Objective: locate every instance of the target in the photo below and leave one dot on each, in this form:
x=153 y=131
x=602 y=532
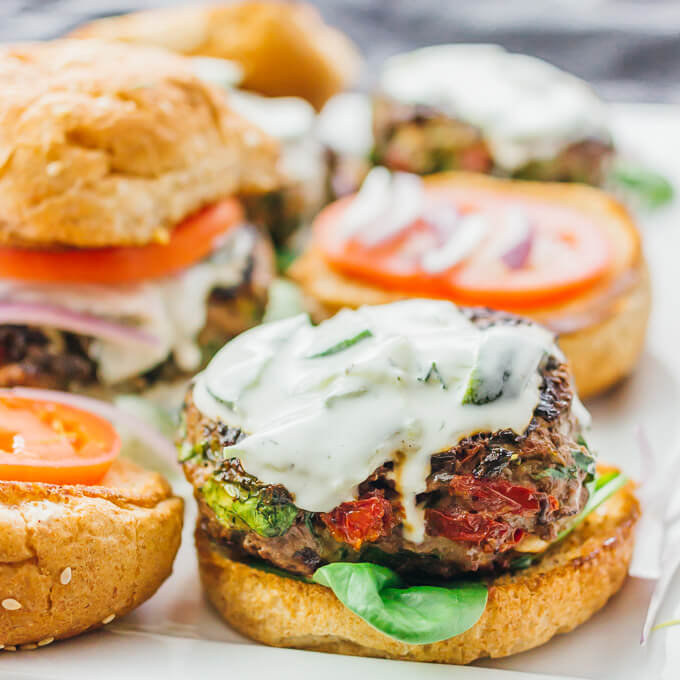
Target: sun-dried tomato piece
x=495 y=496
x=362 y=521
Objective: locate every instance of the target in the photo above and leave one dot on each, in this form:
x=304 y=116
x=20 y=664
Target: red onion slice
x=34 y=314
x=117 y=417
x=516 y=249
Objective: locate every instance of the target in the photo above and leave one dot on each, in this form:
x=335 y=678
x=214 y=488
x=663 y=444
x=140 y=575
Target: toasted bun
x=525 y=609
x=285 y=49
x=601 y=332
x=73 y=556
x=108 y=144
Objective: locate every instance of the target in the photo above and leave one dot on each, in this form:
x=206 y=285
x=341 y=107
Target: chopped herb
x=188 y=451
x=557 y=472
x=284 y=258
x=342 y=345
x=433 y=372
x=585 y=463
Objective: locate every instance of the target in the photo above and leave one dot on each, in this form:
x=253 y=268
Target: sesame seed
x=65 y=576
x=46 y=641
x=53 y=168
x=29 y=647
x=108 y=619
x=10 y=604
x=2 y=646
x=10 y=648
x=18 y=443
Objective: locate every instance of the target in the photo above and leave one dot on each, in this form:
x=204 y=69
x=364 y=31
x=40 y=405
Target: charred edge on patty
x=53 y=359
x=482 y=496
x=420 y=139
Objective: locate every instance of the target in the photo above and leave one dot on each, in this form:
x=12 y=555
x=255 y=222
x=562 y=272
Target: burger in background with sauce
x=564 y=255
x=125 y=259
x=407 y=481
x=85 y=535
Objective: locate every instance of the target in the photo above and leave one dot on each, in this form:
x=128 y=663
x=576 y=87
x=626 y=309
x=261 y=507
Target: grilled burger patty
x=419 y=139
x=55 y=359
x=483 y=497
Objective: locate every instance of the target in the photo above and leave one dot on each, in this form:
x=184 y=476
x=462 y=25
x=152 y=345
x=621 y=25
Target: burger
x=482 y=109
x=87 y=536
x=125 y=258
x=566 y=255
x=408 y=480
x=282 y=49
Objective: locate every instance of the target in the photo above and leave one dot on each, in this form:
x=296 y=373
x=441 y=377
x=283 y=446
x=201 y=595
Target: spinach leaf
x=604 y=487
x=417 y=614
x=648 y=186
x=257 y=508
x=342 y=345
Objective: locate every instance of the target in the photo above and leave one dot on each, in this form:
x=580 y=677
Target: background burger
x=407 y=480
x=124 y=257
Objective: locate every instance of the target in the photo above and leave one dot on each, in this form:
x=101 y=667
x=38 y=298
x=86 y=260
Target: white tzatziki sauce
x=526 y=108
x=324 y=406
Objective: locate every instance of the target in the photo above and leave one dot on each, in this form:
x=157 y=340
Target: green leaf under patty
x=604 y=487
x=417 y=614
x=648 y=186
x=257 y=508
x=342 y=345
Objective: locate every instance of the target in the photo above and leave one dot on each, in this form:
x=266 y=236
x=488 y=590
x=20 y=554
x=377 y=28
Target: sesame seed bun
x=284 y=48
x=601 y=332
x=525 y=608
x=73 y=558
x=105 y=144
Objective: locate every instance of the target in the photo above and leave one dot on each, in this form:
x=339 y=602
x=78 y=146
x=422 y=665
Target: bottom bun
x=75 y=557
x=525 y=609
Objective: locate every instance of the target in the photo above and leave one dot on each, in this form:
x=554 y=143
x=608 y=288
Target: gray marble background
x=629 y=49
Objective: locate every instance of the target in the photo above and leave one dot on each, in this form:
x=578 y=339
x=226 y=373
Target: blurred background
x=629 y=49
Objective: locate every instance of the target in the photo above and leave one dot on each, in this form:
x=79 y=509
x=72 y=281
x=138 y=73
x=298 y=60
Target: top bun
x=284 y=49
x=105 y=144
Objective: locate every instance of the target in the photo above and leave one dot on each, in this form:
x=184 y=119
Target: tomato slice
x=43 y=441
x=358 y=522
x=193 y=239
x=569 y=253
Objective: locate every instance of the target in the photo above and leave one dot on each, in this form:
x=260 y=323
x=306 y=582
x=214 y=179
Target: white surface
x=175 y=635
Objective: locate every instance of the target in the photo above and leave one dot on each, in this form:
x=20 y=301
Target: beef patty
x=486 y=498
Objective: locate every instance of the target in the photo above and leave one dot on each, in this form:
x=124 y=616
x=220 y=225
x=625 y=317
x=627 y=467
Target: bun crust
x=73 y=556
x=524 y=610
x=108 y=144
x=602 y=332
x=284 y=48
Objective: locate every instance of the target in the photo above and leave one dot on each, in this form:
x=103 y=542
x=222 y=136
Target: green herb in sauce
x=342 y=345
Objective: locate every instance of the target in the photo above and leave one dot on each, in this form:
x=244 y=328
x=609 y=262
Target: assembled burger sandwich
x=482 y=109
x=124 y=255
x=86 y=536
x=283 y=49
x=565 y=255
x=407 y=480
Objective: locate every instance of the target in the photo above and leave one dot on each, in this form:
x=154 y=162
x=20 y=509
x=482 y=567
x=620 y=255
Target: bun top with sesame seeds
x=106 y=144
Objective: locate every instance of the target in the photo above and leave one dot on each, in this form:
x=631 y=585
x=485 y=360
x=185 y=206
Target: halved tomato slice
x=43 y=441
x=190 y=241
x=569 y=251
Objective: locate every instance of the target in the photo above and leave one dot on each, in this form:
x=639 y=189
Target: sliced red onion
x=516 y=248
x=35 y=314
x=466 y=237
x=117 y=417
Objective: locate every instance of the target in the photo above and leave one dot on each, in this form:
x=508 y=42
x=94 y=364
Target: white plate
x=176 y=635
